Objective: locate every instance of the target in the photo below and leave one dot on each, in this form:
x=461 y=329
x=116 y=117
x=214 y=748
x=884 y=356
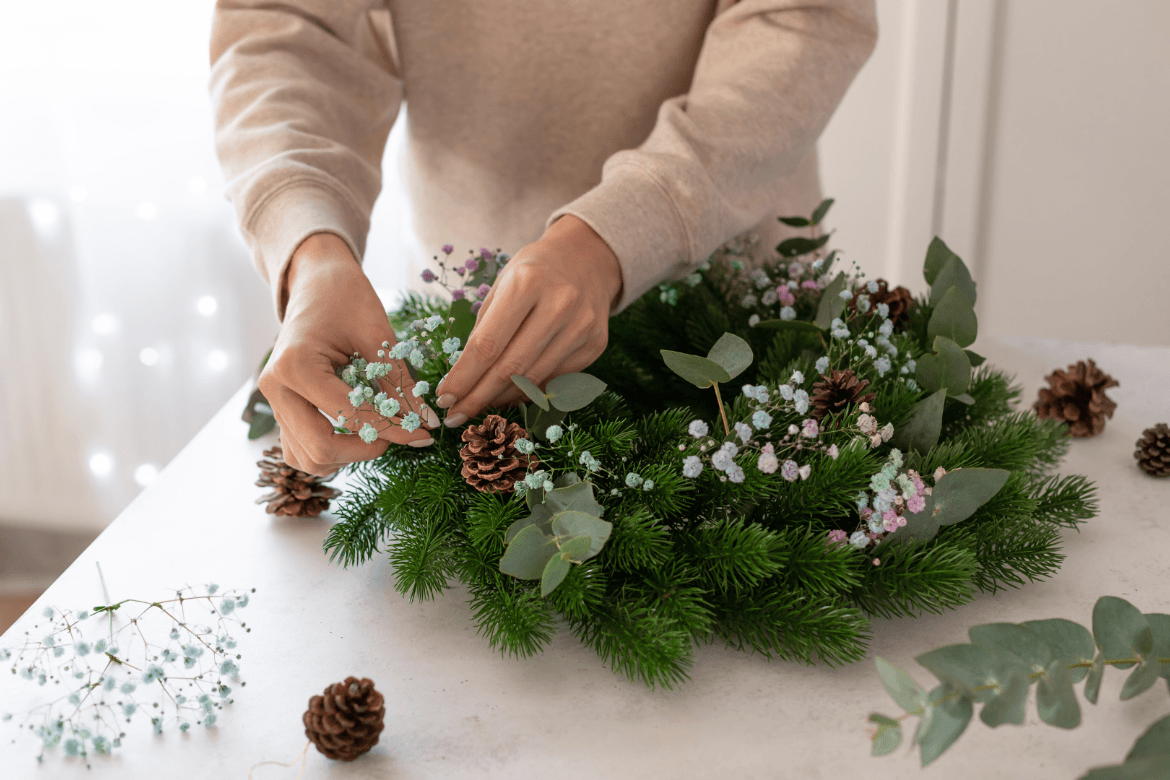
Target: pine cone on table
x=1153 y=451
x=294 y=493
x=898 y=299
x=1077 y=396
x=346 y=721
x=836 y=391
x=491 y=462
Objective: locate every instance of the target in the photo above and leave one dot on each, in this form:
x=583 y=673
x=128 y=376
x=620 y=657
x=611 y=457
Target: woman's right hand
x=332 y=312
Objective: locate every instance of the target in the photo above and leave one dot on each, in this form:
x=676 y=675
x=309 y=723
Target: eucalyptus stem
x=722 y=413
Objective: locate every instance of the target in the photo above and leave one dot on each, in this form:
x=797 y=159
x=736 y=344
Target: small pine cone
x=1077 y=396
x=898 y=299
x=491 y=462
x=1153 y=451
x=346 y=721
x=836 y=391
x=294 y=493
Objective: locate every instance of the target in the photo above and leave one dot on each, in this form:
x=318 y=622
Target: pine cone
x=294 y=493
x=491 y=462
x=838 y=390
x=898 y=299
x=1153 y=451
x=346 y=721
x=1077 y=396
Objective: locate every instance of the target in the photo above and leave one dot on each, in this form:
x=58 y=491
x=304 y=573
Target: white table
x=457 y=709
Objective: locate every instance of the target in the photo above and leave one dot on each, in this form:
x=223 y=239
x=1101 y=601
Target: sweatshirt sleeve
x=304 y=93
x=769 y=76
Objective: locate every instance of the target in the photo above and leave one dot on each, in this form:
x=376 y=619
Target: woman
x=609 y=144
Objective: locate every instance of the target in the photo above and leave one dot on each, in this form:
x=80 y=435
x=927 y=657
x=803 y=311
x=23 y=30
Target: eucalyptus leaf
x=464 y=320
x=955 y=498
x=1072 y=642
x=1140 y=679
x=538 y=421
x=954 y=318
x=1160 y=628
x=533 y=497
x=1015 y=643
x=1154 y=742
x=260 y=425
x=922 y=430
x=889 y=734
x=531 y=390
x=947 y=369
x=1121 y=630
x=1010 y=703
x=965 y=398
x=540 y=517
x=795 y=247
x=553 y=574
x=974 y=358
x=579 y=524
x=699 y=371
x=732 y=353
x=571 y=392
x=831 y=304
x=1152 y=768
x=573 y=497
x=953 y=274
x=1055 y=698
x=937 y=255
x=528 y=553
x=952 y=713
x=576 y=549
x=907 y=693
x=566 y=480
x=966 y=668
x=795 y=221
x=1093 y=681
x=797 y=325
x=821 y=210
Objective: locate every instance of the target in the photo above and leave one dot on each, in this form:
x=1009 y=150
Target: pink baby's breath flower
x=448 y=249
x=809 y=284
x=476 y=306
x=810 y=429
x=428 y=275
x=472 y=264
x=789 y=470
x=486 y=254
x=939 y=473
x=785 y=295
x=459 y=294
x=483 y=290
x=461 y=270
x=833 y=451
x=837 y=537
x=916 y=504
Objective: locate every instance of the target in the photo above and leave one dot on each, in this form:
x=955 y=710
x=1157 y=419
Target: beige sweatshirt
x=668 y=126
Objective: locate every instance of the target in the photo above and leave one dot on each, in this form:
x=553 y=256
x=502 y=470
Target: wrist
x=594 y=252
x=318 y=257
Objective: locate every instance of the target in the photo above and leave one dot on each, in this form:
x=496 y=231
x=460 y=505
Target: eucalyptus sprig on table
x=161 y=658
x=1003 y=660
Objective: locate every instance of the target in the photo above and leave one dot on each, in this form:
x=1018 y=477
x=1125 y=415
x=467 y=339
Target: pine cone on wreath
x=836 y=391
x=294 y=493
x=898 y=299
x=1153 y=451
x=1077 y=396
x=491 y=462
x=345 y=722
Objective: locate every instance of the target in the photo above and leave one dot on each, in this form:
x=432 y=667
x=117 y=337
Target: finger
x=533 y=339
x=294 y=455
x=494 y=332
x=399 y=385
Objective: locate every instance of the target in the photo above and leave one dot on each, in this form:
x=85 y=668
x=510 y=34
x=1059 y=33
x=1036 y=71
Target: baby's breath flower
x=428 y=275
x=822 y=364
x=833 y=452
x=863 y=303
x=698 y=429
x=769 y=297
x=805 y=471
x=554 y=433
x=451 y=345
x=375 y=370
x=388 y=407
x=883 y=310
x=768 y=462
x=838 y=330
x=411 y=422
x=416 y=357
x=735 y=473
x=787 y=313
x=368 y=433
x=743 y=431
x=648 y=484
x=872 y=286
x=523 y=446
x=421 y=388
x=753 y=320
x=800 y=401
x=692 y=466
x=633 y=480
x=785 y=392
x=349 y=376
x=797 y=378
x=434 y=322
x=789 y=470
x=858 y=540
x=845 y=295
x=748 y=301
x=356 y=398
x=228 y=667
x=761 y=420
x=887 y=431
x=153 y=672
x=809 y=429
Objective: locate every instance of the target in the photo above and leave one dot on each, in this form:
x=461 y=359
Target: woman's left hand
x=546 y=315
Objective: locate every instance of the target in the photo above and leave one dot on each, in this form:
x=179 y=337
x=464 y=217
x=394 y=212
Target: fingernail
x=431 y=418
x=445 y=401
x=455 y=419
x=421 y=443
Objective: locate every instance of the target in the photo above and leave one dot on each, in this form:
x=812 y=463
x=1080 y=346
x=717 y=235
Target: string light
x=207 y=305
x=197 y=185
x=217 y=360
x=101 y=464
x=44 y=214
x=104 y=324
x=88 y=362
x=78 y=193
x=145 y=474
x=146 y=211
x=148 y=356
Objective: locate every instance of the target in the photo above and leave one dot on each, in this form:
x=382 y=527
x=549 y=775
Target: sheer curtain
x=129 y=309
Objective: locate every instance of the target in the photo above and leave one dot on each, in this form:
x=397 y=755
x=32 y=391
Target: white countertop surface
x=457 y=709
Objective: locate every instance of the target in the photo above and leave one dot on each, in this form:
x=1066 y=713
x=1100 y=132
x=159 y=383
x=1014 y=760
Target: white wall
x=1053 y=117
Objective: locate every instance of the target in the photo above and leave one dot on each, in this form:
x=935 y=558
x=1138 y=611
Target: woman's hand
x=332 y=312
x=546 y=315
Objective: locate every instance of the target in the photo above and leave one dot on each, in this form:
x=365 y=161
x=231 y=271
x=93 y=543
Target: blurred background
x=1029 y=134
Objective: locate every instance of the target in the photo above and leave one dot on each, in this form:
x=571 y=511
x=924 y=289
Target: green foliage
x=703 y=559
x=1004 y=659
